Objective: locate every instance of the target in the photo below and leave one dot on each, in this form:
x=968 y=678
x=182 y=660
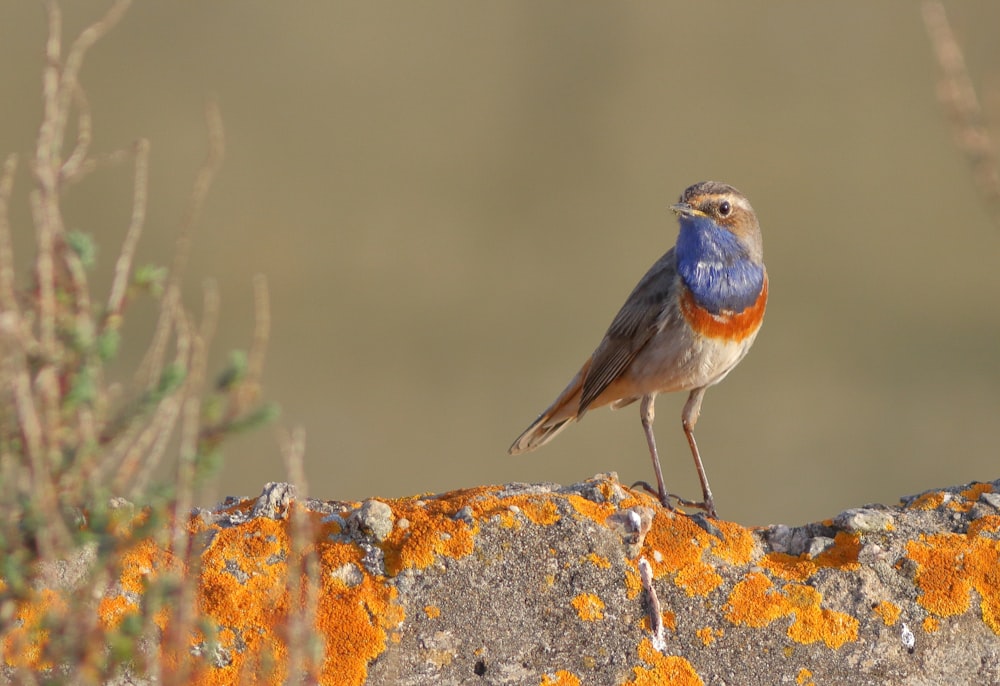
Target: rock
x=558 y=585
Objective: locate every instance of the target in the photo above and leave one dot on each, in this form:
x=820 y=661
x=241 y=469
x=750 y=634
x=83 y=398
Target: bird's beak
x=685 y=210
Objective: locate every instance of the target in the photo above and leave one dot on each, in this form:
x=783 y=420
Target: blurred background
x=451 y=200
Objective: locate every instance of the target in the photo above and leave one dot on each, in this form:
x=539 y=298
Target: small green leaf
x=264 y=414
x=107 y=344
x=83 y=389
x=150 y=278
x=171 y=379
x=83 y=245
x=235 y=372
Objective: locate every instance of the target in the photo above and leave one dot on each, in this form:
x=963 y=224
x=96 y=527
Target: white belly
x=685 y=361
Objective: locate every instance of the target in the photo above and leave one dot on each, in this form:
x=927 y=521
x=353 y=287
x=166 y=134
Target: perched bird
x=687 y=323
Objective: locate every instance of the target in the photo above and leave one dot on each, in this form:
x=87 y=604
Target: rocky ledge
x=592 y=583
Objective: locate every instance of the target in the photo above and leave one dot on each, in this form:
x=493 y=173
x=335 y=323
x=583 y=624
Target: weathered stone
x=544 y=585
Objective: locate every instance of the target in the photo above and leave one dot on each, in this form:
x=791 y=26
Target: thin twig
x=45 y=200
x=183 y=618
x=303 y=572
x=191 y=413
x=655 y=613
x=16 y=373
x=206 y=174
x=8 y=300
x=94 y=163
x=45 y=378
x=152 y=363
x=262 y=329
x=123 y=267
x=199 y=193
x=148 y=450
x=84 y=136
x=958 y=95
x=249 y=389
x=69 y=76
x=136 y=451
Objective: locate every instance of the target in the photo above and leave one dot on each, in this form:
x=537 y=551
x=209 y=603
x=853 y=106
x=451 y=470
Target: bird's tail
x=538 y=434
x=557 y=417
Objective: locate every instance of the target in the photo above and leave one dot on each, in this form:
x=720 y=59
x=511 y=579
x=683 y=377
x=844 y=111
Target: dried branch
x=152 y=362
x=84 y=137
x=958 y=96
x=199 y=193
x=186 y=555
x=261 y=331
x=304 y=649
x=123 y=267
x=67 y=79
x=8 y=301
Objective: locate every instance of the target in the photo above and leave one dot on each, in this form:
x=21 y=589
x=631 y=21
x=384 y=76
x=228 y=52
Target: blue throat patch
x=715 y=266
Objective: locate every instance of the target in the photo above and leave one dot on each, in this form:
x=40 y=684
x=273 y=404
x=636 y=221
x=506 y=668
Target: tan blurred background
x=451 y=200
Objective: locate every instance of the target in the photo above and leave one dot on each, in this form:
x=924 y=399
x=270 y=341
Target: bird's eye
x=725 y=208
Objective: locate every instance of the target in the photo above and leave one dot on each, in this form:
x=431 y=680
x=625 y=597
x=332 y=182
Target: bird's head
x=725 y=207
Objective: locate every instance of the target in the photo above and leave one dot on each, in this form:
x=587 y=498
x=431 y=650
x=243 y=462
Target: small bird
x=687 y=323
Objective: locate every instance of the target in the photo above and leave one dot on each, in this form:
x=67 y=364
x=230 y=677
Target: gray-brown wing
x=631 y=329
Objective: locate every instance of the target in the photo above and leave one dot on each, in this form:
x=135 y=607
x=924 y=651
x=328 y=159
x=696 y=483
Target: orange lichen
x=560 y=678
x=664 y=670
x=112 y=610
x=598 y=561
x=843 y=554
x=354 y=624
x=24 y=644
x=755 y=602
x=927 y=501
x=599 y=512
x=697 y=580
x=140 y=562
x=814 y=623
x=633 y=584
x=950 y=566
x=433 y=528
x=668 y=618
x=736 y=546
x=244 y=584
x=676 y=545
x=789 y=567
x=804 y=678
x=244 y=590
x=432 y=611
x=975 y=490
x=541 y=511
x=706 y=635
x=969 y=497
x=889 y=612
x=931 y=624
x=509 y=519
x=589 y=607
x=984 y=525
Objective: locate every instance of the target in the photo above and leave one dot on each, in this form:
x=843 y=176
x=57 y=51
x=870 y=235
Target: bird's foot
x=665 y=498
x=707 y=505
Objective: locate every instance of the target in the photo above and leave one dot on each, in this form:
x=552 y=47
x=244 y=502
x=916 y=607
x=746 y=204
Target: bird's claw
x=665 y=498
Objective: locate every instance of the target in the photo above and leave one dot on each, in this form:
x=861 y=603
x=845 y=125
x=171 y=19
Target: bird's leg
x=647 y=413
x=689 y=417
